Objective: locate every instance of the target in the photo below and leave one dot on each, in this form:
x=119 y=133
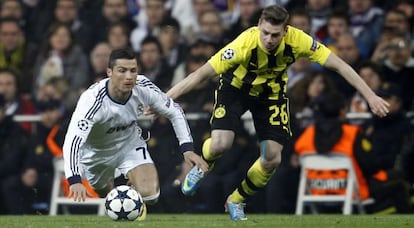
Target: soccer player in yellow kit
x=253 y=77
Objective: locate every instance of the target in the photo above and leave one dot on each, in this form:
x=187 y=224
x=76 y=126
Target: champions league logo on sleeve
x=83 y=125
x=228 y=54
x=314 y=45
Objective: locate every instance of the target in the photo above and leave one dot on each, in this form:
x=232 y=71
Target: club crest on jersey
x=227 y=54
x=220 y=112
x=83 y=125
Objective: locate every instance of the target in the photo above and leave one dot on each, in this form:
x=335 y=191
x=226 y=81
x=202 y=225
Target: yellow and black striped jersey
x=246 y=65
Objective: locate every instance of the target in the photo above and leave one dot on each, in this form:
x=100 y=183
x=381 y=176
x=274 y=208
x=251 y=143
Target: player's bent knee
x=218 y=149
x=270 y=166
x=152 y=199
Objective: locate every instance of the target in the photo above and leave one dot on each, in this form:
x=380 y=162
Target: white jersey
x=100 y=127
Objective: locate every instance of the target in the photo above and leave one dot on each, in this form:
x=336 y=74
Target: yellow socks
x=207 y=155
x=256 y=179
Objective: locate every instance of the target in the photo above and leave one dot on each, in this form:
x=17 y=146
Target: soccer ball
x=123 y=203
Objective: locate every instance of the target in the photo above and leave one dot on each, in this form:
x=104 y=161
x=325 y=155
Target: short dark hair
x=371 y=65
x=275 y=15
x=124 y=53
x=9 y=71
x=340 y=14
x=170 y=22
x=152 y=40
x=301 y=12
x=10 y=20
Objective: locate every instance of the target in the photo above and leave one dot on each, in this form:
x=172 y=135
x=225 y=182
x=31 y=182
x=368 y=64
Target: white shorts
x=99 y=171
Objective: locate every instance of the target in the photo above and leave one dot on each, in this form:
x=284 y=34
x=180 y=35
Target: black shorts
x=271 y=117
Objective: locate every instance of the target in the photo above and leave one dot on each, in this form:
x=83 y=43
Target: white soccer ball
x=123 y=203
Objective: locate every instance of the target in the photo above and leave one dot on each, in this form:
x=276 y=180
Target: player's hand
x=194 y=159
x=150 y=113
x=78 y=192
x=378 y=106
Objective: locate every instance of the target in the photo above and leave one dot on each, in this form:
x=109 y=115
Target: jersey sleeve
x=80 y=125
x=309 y=47
x=229 y=56
x=165 y=106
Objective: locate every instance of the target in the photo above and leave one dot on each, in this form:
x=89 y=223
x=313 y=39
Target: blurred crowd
x=52 y=50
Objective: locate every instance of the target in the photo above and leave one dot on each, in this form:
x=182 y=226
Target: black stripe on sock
x=251 y=185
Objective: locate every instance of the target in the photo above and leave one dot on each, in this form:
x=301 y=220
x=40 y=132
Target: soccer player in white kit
x=104 y=135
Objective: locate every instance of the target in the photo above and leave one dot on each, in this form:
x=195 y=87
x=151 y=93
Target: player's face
x=271 y=35
x=123 y=75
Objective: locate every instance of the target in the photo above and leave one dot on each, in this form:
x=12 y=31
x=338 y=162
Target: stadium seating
x=329 y=162
x=59 y=198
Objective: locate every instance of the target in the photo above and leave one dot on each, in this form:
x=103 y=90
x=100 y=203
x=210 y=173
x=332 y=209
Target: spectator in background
x=297 y=71
x=387 y=135
x=17 y=53
x=155 y=12
x=173 y=48
x=118 y=35
x=386 y=138
x=201 y=99
x=398 y=67
x=396 y=21
x=153 y=65
x=13 y=147
x=56 y=89
x=303 y=96
x=337 y=25
x=99 y=59
x=111 y=11
x=62 y=57
x=39 y=15
x=366 y=22
x=31 y=188
x=347 y=50
x=407 y=6
x=299 y=18
x=202 y=45
x=318 y=10
x=211 y=24
x=13 y=102
x=248 y=9
x=13 y=9
x=187 y=12
x=67 y=11
x=372 y=75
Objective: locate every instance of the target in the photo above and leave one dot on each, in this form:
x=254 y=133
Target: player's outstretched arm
x=201 y=74
x=378 y=105
x=194 y=159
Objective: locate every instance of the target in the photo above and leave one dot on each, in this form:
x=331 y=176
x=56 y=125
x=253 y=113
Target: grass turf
x=210 y=220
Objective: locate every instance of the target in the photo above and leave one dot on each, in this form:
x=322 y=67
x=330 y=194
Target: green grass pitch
x=210 y=220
